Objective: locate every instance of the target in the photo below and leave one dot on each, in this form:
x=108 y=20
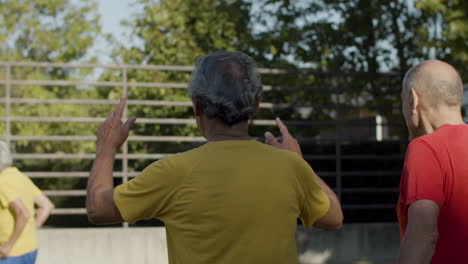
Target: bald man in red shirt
x=432 y=207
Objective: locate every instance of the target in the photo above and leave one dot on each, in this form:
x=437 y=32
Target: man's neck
x=444 y=116
x=216 y=130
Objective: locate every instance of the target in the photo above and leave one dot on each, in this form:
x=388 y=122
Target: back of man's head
x=226 y=85
x=436 y=82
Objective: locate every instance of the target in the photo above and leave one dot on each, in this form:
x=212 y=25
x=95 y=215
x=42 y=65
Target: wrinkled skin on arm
x=21 y=214
x=100 y=203
x=420 y=239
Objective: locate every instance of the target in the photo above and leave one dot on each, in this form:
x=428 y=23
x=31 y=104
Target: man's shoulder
x=434 y=140
x=425 y=148
x=188 y=155
x=425 y=140
x=180 y=159
x=286 y=159
x=445 y=134
x=275 y=152
x=424 y=144
x=184 y=160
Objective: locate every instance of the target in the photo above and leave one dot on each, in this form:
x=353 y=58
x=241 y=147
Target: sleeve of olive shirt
x=315 y=202
x=150 y=194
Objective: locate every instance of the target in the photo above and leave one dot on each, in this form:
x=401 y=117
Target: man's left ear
x=414 y=100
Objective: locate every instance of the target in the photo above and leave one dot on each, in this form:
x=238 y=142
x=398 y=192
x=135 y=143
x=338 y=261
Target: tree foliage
x=45 y=30
x=331 y=46
x=176 y=32
x=446 y=31
x=49 y=31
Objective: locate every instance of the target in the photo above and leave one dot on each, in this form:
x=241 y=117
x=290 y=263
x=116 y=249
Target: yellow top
x=14 y=185
x=227 y=202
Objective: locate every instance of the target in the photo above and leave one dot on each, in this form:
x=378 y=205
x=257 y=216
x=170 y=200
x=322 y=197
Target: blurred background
x=331 y=69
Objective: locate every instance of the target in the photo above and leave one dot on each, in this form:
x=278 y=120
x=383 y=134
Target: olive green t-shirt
x=227 y=202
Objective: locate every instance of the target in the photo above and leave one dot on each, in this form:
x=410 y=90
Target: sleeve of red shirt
x=423 y=176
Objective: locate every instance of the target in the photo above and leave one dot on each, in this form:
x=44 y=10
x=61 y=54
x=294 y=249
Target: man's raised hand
x=112 y=133
x=286 y=141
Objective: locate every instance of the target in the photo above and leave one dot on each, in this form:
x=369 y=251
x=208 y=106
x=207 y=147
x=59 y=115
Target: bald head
x=436 y=82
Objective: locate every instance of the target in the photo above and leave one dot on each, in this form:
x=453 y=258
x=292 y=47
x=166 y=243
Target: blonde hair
x=5 y=155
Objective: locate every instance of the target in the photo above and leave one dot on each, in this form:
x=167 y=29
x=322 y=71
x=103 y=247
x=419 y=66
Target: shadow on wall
x=353 y=244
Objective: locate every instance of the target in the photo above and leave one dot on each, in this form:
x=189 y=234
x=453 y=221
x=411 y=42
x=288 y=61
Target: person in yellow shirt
x=232 y=200
x=18 y=196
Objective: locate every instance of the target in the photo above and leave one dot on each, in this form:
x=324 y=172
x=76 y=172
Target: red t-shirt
x=436 y=168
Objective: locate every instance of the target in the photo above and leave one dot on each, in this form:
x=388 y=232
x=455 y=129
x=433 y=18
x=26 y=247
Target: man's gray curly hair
x=226 y=86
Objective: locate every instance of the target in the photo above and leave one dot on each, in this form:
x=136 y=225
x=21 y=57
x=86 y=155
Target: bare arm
x=44 y=208
x=21 y=219
x=100 y=203
x=419 y=241
x=333 y=219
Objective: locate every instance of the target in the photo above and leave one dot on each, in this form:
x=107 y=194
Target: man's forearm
x=100 y=181
x=416 y=251
x=111 y=134
x=420 y=239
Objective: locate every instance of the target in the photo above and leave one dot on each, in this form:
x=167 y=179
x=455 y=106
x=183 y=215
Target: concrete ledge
x=102 y=245
x=354 y=243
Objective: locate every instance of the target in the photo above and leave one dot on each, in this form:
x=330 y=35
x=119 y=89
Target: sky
x=112 y=12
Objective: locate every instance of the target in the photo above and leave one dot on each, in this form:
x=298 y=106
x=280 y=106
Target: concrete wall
x=102 y=245
x=355 y=243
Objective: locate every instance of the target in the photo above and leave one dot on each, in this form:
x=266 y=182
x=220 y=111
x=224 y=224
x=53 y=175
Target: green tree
x=174 y=32
x=355 y=41
x=49 y=31
x=44 y=30
x=446 y=32
x=177 y=32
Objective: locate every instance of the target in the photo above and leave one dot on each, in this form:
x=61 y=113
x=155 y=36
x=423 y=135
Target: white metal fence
x=337 y=173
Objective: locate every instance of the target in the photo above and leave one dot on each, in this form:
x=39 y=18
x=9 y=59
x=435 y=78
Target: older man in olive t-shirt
x=232 y=200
